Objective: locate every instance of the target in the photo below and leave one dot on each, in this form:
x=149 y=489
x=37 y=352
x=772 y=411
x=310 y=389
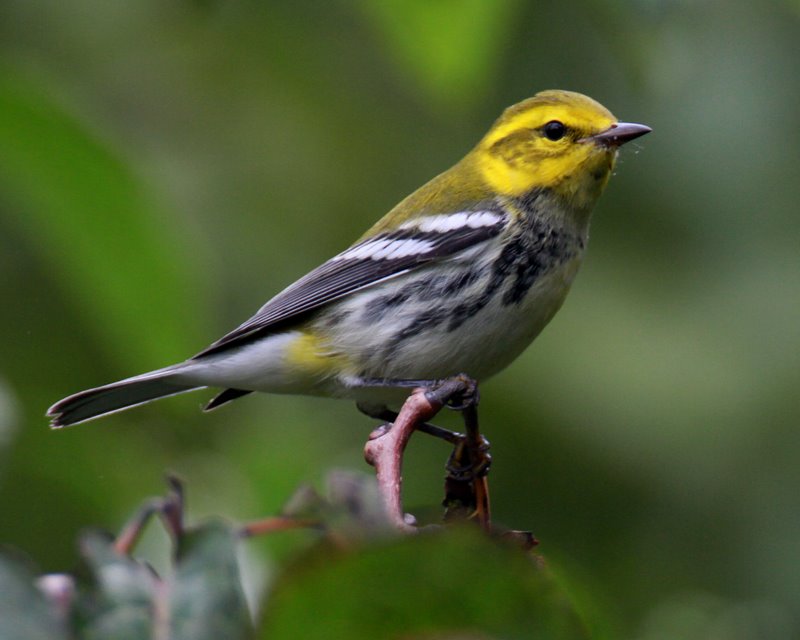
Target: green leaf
x=454 y=582
x=351 y=510
x=115 y=254
x=207 y=600
x=24 y=612
x=117 y=597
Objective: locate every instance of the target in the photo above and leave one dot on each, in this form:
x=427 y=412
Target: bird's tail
x=116 y=396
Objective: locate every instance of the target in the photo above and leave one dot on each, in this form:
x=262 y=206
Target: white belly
x=480 y=346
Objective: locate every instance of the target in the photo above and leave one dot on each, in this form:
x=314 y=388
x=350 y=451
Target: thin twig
x=127 y=538
x=277 y=523
x=480 y=462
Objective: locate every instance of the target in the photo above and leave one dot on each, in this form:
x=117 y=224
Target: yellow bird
x=459 y=277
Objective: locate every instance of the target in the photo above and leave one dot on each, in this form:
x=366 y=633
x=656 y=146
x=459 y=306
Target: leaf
x=25 y=614
x=207 y=600
x=117 y=596
x=456 y=583
x=351 y=509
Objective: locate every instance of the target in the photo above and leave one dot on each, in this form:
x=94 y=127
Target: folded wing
x=367 y=263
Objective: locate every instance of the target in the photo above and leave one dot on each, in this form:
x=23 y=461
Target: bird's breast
x=473 y=313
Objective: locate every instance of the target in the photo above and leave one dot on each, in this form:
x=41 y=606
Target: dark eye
x=554 y=130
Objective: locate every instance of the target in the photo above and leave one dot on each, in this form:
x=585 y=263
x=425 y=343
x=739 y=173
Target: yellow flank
x=308 y=355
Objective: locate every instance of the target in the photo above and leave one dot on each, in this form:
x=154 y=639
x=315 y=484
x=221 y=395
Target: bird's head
x=559 y=141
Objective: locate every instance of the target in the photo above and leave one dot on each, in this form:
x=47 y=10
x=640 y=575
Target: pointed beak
x=620 y=133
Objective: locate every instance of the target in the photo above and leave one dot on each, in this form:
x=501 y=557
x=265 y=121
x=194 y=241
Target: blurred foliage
x=448 y=72
x=418 y=586
x=115 y=595
x=166 y=167
x=459 y=581
x=69 y=182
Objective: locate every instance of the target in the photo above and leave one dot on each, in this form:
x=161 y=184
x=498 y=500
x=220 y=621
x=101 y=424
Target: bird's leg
x=466 y=486
x=387 y=415
x=384 y=451
x=466 y=483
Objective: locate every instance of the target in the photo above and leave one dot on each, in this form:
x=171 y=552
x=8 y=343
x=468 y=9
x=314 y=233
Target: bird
x=459 y=277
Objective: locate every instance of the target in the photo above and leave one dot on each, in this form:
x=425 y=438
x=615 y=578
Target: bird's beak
x=618 y=134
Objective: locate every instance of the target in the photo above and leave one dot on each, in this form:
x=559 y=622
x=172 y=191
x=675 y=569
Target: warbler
x=459 y=277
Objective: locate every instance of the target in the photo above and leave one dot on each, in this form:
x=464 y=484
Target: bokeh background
x=165 y=167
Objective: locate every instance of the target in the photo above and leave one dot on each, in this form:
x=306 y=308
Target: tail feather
x=117 y=396
x=224 y=397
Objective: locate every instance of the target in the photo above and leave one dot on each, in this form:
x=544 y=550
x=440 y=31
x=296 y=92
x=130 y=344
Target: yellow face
x=546 y=142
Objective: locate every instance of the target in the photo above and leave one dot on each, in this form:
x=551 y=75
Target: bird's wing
x=369 y=262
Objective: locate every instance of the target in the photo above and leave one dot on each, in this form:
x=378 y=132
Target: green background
x=165 y=167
